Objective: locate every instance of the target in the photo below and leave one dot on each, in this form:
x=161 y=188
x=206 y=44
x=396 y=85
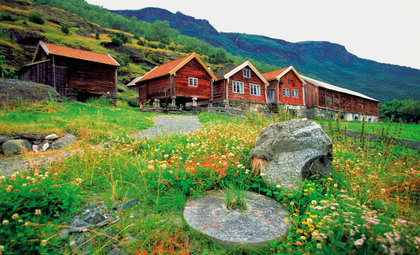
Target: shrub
x=116 y=41
x=65 y=28
x=7 y=17
x=36 y=18
x=141 y=42
x=97 y=35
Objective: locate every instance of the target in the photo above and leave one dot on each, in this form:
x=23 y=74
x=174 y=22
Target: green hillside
x=327 y=61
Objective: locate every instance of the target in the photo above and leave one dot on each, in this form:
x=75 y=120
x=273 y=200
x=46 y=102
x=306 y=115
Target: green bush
x=7 y=17
x=65 y=28
x=116 y=41
x=141 y=42
x=29 y=202
x=36 y=18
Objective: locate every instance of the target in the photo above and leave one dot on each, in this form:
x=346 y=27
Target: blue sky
x=382 y=30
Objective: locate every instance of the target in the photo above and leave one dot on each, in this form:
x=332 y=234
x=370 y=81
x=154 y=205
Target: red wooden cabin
x=72 y=72
x=323 y=95
x=241 y=83
x=178 y=82
x=286 y=87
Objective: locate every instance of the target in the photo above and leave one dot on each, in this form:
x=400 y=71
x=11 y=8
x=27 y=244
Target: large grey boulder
x=26 y=91
x=12 y=147
x=263 y=220
x=288 y=152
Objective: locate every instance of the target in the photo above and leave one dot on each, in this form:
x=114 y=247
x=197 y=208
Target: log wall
x=195 y=70
x=247 y=93
x=290 y=81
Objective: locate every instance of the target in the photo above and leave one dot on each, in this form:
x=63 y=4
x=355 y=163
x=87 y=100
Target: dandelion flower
x=313 y=202
x=278 y=186
x=286 y=219
x=15 y=216
x=38 y=212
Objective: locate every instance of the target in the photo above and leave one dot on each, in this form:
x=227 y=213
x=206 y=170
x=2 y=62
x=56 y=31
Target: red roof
x=171 y=67
x=78 y=54
x=163 y=70
x=269 y=76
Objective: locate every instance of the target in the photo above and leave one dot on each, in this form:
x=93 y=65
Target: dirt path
x=164 y=126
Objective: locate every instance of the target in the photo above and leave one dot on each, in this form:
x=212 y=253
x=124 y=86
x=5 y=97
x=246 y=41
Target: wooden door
x=271 y=96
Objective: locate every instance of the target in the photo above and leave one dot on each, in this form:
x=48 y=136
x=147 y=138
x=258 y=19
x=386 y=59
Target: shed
x=74 y=73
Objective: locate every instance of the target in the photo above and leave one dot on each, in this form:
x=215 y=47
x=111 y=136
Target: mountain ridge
x=327 y=61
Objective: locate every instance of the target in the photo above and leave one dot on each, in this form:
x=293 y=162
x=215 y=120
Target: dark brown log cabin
x=323 y=95
x=286 y=87
x=180 y=81
x=241 y=83
x=72 y=72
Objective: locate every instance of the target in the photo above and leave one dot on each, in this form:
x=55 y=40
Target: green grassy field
x=405 y=131
x=369 y=204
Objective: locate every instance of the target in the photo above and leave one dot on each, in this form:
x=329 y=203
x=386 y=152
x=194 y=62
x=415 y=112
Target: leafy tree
x=36 y=18
x=406 y=110
x=7 y=17
x=6 y=73
x=159 y=31
x=117 y=41
x=97 y=35
x=65 y=28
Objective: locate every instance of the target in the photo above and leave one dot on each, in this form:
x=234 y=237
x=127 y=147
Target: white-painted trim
x=114 y=60
x=250 y=90
x=242 y=66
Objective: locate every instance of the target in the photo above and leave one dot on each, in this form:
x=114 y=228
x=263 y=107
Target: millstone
x=263 y=220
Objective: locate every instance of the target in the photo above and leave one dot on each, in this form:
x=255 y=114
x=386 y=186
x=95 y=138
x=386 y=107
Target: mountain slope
x=322 y=60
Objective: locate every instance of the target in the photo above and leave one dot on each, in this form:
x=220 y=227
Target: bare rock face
x=288 y=152
x=263 y=220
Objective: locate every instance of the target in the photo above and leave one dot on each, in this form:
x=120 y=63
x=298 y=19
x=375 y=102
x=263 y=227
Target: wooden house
x=180 y=81
x=76 y=74
x=240 y=85
x=353 y=106
x=286 y=87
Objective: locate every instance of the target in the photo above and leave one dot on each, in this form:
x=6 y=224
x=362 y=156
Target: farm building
x=286 y=88
x=321 y=97
x=75 y=74
x=132 y=84
x=181 y=81
x=240 y=86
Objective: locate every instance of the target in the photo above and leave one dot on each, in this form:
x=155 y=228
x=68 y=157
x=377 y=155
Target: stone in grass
x=63 y=142
x=129 y=204
x=263 y=220
x=32 y=136
x=4 y=138
x=45 y=146
x=14 y=147
x=286 y=153
x=51 y=137
x=95 y=217
x=77 y=225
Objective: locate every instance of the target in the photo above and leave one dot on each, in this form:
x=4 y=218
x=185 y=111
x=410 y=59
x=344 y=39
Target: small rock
x=45 y=146
x=15 y=146
x=77 y=225
x=51 y=137
x=63 y=142
x=129 y=204
x=32 y=136
x=95 y=217
x=35 y=148
x=64 y=233
x=4 y=138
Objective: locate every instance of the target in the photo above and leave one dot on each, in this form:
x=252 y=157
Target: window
x=255 y=89
x=247 y=73
x=193 y=82
x=295 y=93
x=238 y=87
x=286 y=92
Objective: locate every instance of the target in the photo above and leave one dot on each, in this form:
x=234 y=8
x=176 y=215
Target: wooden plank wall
x=157 y=88
x=290 y=81
x=195 y=70
x=247 y=81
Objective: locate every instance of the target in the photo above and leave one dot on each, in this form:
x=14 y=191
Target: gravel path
x=164 y=125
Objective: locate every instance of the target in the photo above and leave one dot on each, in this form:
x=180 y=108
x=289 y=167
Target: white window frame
x=237 y=87
x=286 y=92
x=295 y=93
x=192 y=82
x=254 y=90
x=246 y=73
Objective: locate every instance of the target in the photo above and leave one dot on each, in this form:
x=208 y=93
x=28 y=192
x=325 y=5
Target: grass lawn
x=92 y=122
x=369 y=204
x=405 y=131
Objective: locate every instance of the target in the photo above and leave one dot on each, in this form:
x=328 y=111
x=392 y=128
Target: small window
x=295 y=93
x=255 y=90
x=247 y=73
x=193 y=82
x=286 y=92
x=237 y=87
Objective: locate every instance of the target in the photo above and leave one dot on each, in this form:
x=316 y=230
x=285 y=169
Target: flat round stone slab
x=263 y=219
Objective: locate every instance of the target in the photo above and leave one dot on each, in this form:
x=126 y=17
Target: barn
x=286 y=88
x=75 y=74
x=321 y=97
x=240 y=86
x=181 y=81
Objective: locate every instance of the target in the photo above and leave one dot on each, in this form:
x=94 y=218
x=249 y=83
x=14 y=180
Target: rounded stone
x=263 y=220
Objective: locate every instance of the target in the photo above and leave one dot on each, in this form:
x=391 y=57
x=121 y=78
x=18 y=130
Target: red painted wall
x=311 y=95
x=290 y=81
x=157 y=88
x=247 y=81
x=195 y=70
